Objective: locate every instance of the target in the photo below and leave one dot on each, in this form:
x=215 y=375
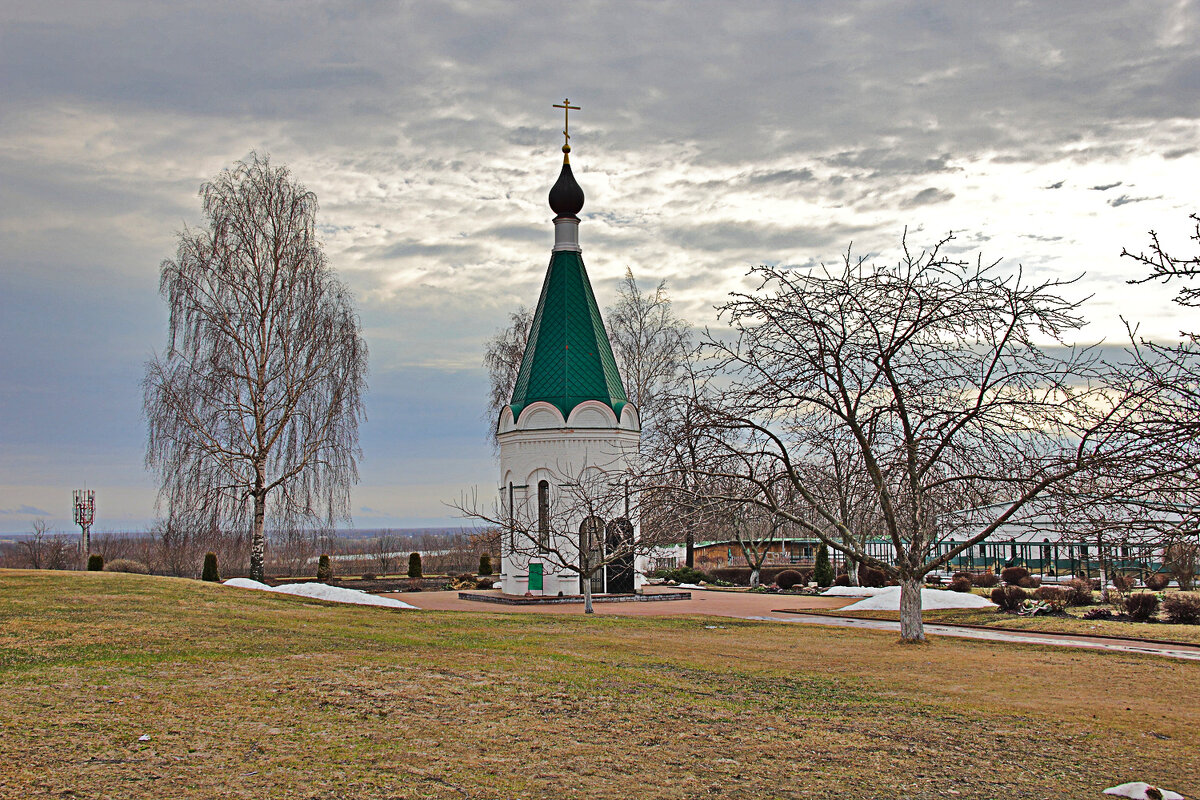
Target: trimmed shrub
x=1079 y=592
x=870 y=577
x=368 y=576
x=485 y=564
x=127 y=565
x=1009 y=598
x=842 y=579
x=1141 y=605
x=788 y=578
x=740 y=576
x=1157 y=582
x=414 y=565
x=1056 y=598
x=1182 y=608
x=960 y=584
x=484 y=583
x=1013 y=575
x=209 y=572
x=324 y=569
x=823 y=570
x=1124 y=583
x=1097 y=613
x=95 y=562
x=1029 y=582
x=985 y=580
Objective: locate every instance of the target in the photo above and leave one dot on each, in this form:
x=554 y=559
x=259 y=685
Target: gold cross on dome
x=567 y=109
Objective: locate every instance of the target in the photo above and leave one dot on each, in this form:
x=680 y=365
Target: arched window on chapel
x=543 y=515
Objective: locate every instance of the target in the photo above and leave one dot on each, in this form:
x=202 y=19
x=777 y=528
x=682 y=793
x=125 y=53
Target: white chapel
x=569 y=423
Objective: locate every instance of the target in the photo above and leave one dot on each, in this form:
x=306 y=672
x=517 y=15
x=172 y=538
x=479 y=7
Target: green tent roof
x=568 y=358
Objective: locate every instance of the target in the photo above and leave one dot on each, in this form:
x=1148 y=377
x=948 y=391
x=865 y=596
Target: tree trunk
x=911 y=627
x=258 y=541
x=587 y=594
x=852 y=571
x=754 y=577
x=690 y=545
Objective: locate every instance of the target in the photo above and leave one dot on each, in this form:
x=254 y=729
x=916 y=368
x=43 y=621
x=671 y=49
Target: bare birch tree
x=502 y=359
x=254 y=408
x=933 y=369
x=651 y=346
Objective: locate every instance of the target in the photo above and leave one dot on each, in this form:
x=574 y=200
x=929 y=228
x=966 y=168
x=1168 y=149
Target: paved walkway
x=790 y=608
x=742 y=605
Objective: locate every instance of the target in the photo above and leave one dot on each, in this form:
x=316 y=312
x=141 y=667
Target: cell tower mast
x=85 y=513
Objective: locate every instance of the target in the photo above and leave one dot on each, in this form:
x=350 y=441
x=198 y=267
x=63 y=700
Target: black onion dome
x=566 y=198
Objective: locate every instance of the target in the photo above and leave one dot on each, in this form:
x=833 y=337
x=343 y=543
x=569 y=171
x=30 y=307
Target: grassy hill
x=248 y=694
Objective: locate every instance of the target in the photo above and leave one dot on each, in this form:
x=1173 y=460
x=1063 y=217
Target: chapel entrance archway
x=620 y=571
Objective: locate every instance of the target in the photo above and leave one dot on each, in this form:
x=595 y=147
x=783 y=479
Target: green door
x=535 y=577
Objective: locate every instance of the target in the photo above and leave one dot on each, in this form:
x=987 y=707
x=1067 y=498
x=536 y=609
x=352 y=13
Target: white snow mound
x=852 y=591
x=1140 y=790
x=321 y=591
x=889 y=600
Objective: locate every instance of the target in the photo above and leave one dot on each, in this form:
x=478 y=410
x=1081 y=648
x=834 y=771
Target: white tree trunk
x=587 y=594
x=911 y=627
x=852 y=571
x=258 y=540
x=755 y=572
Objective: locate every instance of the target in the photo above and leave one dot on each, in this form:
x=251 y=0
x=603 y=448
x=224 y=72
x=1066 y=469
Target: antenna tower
x=85 y=513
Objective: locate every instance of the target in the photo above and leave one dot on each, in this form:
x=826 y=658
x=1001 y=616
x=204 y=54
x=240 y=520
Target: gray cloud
x=712 y=137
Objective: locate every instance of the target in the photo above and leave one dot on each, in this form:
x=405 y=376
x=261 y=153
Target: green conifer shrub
x=414 y=565
x=823 y=570
x=485 y=564
x=324 y=569
x=210 y=572
x=95 y=562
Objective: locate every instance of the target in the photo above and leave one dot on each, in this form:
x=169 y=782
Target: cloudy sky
x=713 y=136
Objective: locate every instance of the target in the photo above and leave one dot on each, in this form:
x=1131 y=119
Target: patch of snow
x=246 y=583
x=852 y=591
x=931 y=599
x=321 y=591
x=1140 y=790
x=690 y=586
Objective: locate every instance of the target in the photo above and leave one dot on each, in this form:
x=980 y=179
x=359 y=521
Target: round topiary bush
x=1013 y=575
x=1009 y=598
x=842 y=579
x=210 y=571
x=95 y=562
x=414 y=565
x=1157 y=582
x=127 y=565
x=870 y=577
x=960 y=584
x=985 y=580
x=787 y=579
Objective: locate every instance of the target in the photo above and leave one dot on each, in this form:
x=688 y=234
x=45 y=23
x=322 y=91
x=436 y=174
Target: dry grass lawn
x=247 y=694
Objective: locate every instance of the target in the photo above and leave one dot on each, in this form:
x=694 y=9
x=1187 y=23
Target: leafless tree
x=933 y=369
x=254 y=407
x=35 y=546
x=385 y=552
x=651 y=346
x=756 y=530
x=502 y=358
